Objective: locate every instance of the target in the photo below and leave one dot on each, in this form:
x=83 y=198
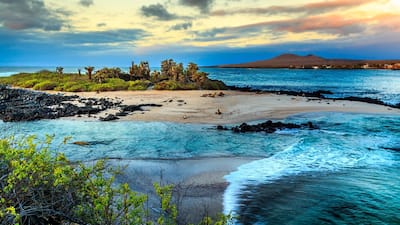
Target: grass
x=47 y=80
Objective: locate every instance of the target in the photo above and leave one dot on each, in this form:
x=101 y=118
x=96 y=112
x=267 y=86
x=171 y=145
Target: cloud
x=112 y=47
x=309 y=9
x=182 y=26
x=331 y=24
x=203 y=5
x=101 y=24
x=158 y=11
x=86 y=3
x=30 y=14
x=100 y=37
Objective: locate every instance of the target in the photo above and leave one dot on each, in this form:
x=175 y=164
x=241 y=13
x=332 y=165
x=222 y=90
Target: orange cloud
x=311 y=8
x=332 y=24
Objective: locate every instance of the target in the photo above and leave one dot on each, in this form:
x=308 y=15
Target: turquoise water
x=347 y=172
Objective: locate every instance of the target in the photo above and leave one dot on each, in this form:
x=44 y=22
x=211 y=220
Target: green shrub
x=40 y=187
x=138 y=85
x=101 y=87
x=74 y=86
x=111 y=84
x=167 y=85
x=45 y=85
x=30 y=83
x=213 y=85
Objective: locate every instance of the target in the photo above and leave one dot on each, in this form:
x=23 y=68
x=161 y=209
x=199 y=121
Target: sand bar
x=235 y=106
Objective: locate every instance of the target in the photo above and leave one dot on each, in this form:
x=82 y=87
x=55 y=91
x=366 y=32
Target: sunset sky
x=209 y=32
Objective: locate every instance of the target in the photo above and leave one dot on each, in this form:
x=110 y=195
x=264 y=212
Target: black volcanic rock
x=267 y=127
x=26 y=105
x=109 y=117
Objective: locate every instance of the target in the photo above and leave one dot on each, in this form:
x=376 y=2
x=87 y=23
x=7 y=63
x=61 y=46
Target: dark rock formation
x=109 y=117
x=267 y=127
x=26 y=105
x=133 y=108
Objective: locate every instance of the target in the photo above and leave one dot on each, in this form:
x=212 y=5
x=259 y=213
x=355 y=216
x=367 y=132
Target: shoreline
x=199 y=184
x=231 y=108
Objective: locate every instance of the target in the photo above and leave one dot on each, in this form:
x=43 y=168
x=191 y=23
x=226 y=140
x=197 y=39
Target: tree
x=155 y=75
x=59 y=70
x=181 y=74
x=167 y=67
x=101 y=75
x=89 y=70
x=132 y=70
x=192 y=70
x=144 y=70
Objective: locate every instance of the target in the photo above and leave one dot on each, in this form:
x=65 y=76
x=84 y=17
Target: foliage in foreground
x=172 y=76
x=38 y=187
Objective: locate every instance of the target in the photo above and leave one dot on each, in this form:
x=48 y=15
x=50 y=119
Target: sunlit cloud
x=191 y=28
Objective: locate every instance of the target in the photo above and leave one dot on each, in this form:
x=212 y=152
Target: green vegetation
x=40 y=187
x=172 y=76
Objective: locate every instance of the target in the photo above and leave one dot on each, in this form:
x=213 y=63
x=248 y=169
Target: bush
x=74 y=86
x=213 y=85
x=45 y=85
x=138 y=85
x=117 y=84
x=29 y=83
x=37 y=187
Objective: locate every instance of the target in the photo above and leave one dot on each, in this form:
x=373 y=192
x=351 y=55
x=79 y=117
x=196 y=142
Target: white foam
x=296 y=159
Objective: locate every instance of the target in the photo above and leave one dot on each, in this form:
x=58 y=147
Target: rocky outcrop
x=109 y=117
x=267 y=127
x=26 y=105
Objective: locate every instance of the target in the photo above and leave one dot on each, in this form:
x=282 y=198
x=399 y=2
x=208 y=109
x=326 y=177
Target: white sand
x=236 y=107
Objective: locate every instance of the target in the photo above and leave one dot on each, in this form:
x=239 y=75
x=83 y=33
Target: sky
x=208 y=32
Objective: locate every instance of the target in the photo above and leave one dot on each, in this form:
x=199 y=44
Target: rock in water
x=110 y=117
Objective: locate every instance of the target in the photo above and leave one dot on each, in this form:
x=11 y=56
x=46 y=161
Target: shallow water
x=344 y=173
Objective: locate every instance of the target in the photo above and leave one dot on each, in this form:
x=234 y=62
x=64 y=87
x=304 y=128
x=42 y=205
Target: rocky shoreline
x=320 y=94
x=26 y=105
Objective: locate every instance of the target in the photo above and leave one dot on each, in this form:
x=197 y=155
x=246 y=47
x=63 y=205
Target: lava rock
x=109 y=117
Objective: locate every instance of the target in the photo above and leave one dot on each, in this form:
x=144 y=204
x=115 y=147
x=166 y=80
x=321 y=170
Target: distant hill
x=310 y=61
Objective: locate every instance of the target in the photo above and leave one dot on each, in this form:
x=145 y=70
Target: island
x=310 y=61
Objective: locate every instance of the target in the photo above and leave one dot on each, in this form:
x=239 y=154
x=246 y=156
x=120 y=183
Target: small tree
x=59 y=70
x=89 y=70
x=144 y=70
x=132 y=70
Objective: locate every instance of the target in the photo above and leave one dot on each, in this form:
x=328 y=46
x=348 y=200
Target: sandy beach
x=235 y=106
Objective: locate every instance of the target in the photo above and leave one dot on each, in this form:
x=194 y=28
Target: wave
x=300 y=158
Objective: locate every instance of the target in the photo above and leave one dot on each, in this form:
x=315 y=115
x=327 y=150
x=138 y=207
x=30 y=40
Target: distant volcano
x=309 y=61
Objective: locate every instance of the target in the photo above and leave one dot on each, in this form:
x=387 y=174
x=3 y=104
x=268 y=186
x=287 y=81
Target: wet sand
x=199 y=184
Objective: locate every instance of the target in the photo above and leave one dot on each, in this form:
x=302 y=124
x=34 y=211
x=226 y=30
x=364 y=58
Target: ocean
x=345 y=172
